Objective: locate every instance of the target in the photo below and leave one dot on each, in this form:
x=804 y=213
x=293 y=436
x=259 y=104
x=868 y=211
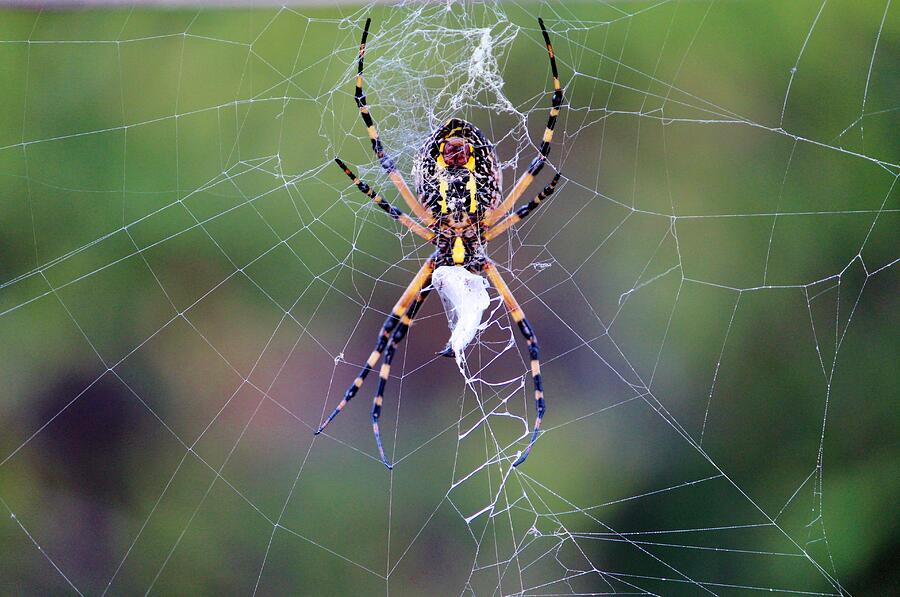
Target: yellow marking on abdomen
x=442 y=189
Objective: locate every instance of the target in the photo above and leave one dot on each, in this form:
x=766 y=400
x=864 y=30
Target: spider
x=460 y=207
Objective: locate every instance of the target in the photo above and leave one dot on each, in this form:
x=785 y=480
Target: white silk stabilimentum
x=465 y=299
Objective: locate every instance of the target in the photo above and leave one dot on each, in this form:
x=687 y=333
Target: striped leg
x=387 y=207
x=533 y=351
x=521 y=213
x=398 y=312
x=386 y=162
x=538 y=162
x=398 y=336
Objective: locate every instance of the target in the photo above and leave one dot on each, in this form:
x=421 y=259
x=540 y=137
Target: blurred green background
x=187 y=285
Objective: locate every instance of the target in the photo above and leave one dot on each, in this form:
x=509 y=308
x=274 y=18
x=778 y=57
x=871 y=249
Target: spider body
x=460 y=204
x=458 y=179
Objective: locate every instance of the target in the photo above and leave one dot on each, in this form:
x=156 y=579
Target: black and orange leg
x=543 y=150
x=521 y=213
x=386 y=161
x=534 y=352
x=385 y=372
x=399 y=311
x=387 y=207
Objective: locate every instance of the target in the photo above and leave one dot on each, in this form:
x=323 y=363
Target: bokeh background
x=187 y=285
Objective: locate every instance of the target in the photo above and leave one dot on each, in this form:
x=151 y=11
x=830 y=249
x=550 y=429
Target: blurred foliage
x=187 y=283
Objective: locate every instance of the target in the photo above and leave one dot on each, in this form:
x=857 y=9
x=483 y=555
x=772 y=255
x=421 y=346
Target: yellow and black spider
x=459 y=201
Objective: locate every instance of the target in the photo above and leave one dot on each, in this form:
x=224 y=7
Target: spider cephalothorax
x=460 y=205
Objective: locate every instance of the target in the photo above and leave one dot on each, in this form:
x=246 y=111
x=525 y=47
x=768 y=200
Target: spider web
x=187 y=286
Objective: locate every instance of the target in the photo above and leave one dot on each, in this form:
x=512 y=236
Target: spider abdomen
x=458 y=176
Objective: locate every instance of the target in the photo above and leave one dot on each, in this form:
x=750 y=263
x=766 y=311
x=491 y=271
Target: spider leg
x=521 y=213
x=533 y=351
x=538 y=162
x=387 y=207
x=399 y=310
x=398 y=336
x=386 y=161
